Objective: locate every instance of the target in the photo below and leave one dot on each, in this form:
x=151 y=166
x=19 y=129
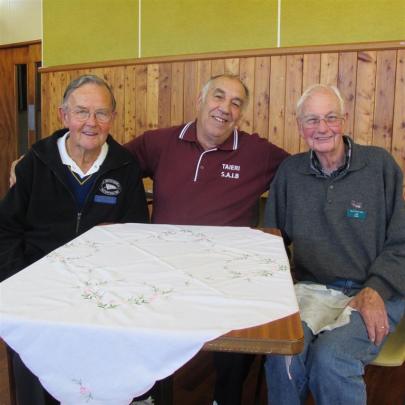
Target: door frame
x=28 y=53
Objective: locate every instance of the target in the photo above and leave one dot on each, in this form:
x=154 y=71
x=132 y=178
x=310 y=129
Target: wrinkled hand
x=372 y=308
x=13 y=179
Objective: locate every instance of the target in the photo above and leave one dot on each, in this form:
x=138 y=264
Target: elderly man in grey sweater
x=340 y=206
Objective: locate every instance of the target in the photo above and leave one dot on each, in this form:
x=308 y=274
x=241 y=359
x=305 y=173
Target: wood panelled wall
x=154 y=93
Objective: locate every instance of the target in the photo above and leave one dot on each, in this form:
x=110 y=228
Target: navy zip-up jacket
x=40 y=213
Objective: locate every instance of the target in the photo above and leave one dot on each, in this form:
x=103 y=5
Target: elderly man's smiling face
x=220 y=111
x=321 y=123
x=88 y=134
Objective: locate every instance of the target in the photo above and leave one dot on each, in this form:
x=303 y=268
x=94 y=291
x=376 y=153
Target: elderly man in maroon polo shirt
x=208 y=172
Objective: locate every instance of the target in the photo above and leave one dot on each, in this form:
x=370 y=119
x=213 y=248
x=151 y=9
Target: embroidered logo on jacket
x=230 y=171
x=356 y=204
x=356 y=211
x=110 y=187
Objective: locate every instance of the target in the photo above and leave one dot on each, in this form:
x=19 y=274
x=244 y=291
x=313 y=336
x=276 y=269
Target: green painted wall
x=192 y=26
x=316 y=22
x=79 y=31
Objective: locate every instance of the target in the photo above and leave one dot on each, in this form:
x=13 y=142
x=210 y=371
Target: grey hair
x=208 y=84
x=87 y=79
x=319 y=88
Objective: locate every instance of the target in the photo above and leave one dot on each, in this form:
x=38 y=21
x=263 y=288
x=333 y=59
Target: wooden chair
x=385 y=375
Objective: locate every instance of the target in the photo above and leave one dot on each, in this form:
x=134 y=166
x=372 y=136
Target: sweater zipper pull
x=79 y=217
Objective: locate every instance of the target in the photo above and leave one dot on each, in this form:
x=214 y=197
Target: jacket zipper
x=99 y=174
x=90 y=194
x=78 y=218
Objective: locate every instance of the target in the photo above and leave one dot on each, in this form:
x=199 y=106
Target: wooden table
x=284 y=336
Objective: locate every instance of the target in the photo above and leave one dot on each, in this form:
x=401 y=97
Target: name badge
x=359 y=214
x=105 y=199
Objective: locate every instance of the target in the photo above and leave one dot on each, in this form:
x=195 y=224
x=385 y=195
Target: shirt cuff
x=376 y=283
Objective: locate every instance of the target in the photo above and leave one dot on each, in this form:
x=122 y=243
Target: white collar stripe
x=199 y=162
x=235 y=135
x=235 y=139
x=184 y=130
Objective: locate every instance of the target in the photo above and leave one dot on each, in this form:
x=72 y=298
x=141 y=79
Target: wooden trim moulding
x=361 y=46
x=20 y=44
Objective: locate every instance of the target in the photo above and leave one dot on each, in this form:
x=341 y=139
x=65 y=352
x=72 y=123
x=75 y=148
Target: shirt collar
x=189 y=133
x=68 y=161
x=316 y=167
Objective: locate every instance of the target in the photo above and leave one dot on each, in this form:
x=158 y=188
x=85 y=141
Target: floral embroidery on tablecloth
x=233 y=265
x=84 y=391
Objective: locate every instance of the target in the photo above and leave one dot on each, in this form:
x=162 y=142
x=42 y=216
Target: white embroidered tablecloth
x=103 y=317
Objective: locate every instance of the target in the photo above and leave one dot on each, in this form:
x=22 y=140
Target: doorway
x=20 y=103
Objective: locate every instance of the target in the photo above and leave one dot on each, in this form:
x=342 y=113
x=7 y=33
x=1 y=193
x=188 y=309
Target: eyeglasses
x=331 y=120
x=82 y=114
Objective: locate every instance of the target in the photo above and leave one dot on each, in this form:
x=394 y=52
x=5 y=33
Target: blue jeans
x=331 y=364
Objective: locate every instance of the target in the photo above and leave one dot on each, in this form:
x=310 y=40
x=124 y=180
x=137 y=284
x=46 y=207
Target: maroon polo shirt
x=193 y=186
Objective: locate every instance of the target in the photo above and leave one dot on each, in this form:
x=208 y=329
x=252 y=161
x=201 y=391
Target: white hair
x=321 y=88
x=87 y=79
